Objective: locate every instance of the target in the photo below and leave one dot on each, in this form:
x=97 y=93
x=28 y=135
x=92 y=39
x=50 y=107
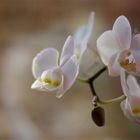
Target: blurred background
x=27 y=27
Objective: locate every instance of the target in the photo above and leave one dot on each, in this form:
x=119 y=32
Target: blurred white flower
x=131 y=105
x=82 y=37
x=118 y=49
x=51 y=76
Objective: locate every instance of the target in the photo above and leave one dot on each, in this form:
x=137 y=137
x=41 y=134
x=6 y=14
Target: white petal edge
x=114 y=66
x=44 y=60
x=107 y=46
x=135 y=48
x=87 y=34
x=90 y=26
x=68 y=50
x=84 y=32
x=123 y=82
x=79 y=35
x=136 y=42
x=125 y=106
x=133 y=86
x=122 y=31
x=37 y=85
x=70 y=72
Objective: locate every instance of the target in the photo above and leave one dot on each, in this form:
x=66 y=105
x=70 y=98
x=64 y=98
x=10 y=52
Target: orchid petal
x=134 y=88
x=80 y=34
x=89 y=26
x=127 y=110
x=46 y=59
x=83 y=34
x=131 y=106
x=68 y=50
x=37 y=85
x=114 y=66
x=123 y=82
x=125 y=106
x=122 y=31
x=107 y=46
x=136 y=42
x=70 y=71
x=135 y=105
x=136 y=51
x=87 y=67
x=136 y=55
x=80 y=42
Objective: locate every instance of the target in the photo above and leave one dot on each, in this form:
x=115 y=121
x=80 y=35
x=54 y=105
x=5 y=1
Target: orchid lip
x=127 y=61
x=136 y=111
x=52 y=77
x=129 y=66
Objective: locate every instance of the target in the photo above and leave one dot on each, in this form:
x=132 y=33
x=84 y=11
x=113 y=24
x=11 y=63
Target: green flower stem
x=114 y=100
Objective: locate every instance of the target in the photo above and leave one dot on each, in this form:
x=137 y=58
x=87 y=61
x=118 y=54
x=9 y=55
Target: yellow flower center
x=136 y=111
x=130 y=66
x=50 y=82
x=77 y=55
x=127 y=61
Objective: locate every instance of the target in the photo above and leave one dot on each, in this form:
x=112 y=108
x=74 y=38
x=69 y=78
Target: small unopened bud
x=98 y=116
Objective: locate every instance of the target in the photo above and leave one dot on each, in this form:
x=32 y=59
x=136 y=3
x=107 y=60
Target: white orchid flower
x=82 y=37
x=117 y=48
x=51 y=76
x=131 y=105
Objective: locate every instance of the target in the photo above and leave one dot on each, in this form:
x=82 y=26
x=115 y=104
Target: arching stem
x=96 y=100
x=114 y=100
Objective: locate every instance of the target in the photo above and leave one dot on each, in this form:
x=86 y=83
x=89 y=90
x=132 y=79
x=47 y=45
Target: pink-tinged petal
x=125 y=106
x=70 y=72
x=134 y=87
x=128 y=62
x=44 y=60
x=68 y=50
x=123 y=83
x=114 y=66
x=107 y=46
x=136 y=43
x=135 y=105
x=136 y=55
x=131 y=106
x=135 y=49
x=37 y=85
x=122 y=31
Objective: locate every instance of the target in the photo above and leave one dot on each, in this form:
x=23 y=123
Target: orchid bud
x=98 y=116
